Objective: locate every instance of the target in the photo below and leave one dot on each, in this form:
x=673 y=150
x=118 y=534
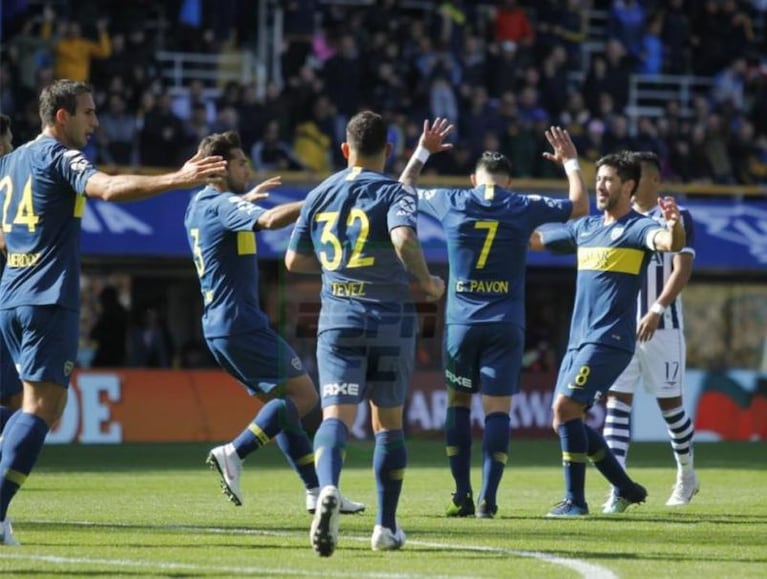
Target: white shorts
x=658 y=365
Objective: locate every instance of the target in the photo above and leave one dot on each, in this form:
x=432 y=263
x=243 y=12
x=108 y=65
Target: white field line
x=582 y=568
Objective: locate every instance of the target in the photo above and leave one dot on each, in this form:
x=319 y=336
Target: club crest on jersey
x=616 y=233
x=407 y=206
x=77 y=162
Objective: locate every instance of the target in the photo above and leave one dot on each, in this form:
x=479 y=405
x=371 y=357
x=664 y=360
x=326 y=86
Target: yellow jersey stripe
x=246 y=243
x=614 y=259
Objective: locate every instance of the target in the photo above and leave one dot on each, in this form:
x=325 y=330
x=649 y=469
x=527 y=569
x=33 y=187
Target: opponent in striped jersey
x=659 y=361
x=488 y=229
x=44 y=185
x=613 y=250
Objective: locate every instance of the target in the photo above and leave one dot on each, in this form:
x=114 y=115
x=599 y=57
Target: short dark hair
x=647 y=158
x=494 y=163
x=5 y=124
x=220 y=144
x=366 y=133
x=625 y=164
x=60 y=94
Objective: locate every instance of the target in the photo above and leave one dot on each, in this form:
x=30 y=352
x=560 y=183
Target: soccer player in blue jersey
x=488 y=229
x=220 y=222
x=358 y=228
x=44 y=185
x=659 y=361
x=10 y=385
x=613 y=250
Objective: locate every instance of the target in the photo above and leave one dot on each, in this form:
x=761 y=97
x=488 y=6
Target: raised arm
x=566 y=155
x=408 y=249
x=673 y=237
x=196 y=171
x=431 y=142
x=276 y=217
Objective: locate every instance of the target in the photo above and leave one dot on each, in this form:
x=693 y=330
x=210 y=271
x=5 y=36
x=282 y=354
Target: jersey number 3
x=332 y=260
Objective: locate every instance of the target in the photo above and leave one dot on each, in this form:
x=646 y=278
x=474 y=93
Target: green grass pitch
x=156 y=510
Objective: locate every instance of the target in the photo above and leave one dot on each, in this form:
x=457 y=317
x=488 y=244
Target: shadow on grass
x=421 y=452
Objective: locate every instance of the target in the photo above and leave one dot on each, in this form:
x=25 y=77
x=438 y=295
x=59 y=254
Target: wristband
x=571 y=165
x=422 y=154
x=657 y=308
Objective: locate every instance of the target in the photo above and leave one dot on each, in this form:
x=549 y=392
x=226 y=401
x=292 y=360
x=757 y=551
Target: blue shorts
x=590 y=370
x=10 y=385
x=42 y=341
x=260 y=359
x=355 y=365
x=485 y=358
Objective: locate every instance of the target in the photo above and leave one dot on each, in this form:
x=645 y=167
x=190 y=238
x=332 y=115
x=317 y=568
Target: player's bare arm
x=302 y=262
x=431 y=142
x=536 y=241
x=280 y=216
x=673 y=237
x=196 y=171
x=676 y=282
x=261 y=191
x=565 y=154
x=408 y=248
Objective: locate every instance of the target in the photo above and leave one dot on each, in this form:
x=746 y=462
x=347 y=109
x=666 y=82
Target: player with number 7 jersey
x=487 y=229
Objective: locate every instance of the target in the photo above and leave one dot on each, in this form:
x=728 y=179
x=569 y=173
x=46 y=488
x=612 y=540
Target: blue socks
x=329 y=450
x=389 y=462
x=275 y=416
x=5 y=415
x=23 y=440
x=458 y=441
x=495 y=449
x=297 y=448
x=573 y=440
x=604 y=459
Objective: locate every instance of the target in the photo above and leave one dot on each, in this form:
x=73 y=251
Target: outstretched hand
x=670 y=211
x=261 y=191
x=562 y=144
x=433 y=136
x=199 y=169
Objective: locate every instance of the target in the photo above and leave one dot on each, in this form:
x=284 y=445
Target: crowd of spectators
x=500 y=71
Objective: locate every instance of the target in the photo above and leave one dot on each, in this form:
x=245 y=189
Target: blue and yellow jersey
x=42 y=191
x=220 y=230
x=346 y=222
x=612 y=262
x=488 y=230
